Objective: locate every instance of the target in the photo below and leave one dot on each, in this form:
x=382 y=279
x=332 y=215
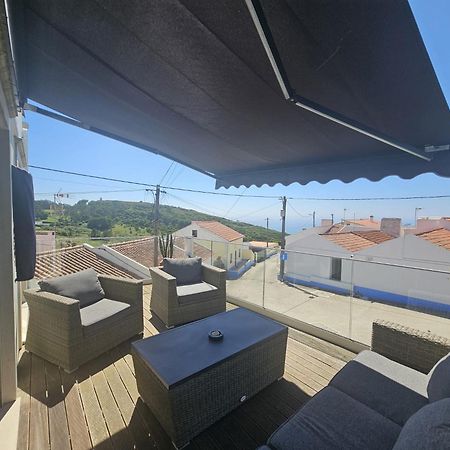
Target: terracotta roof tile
x=358 y=240
x=366 y=223
x=219 y=229
x=375 y=236
x=73 y=259
x=141 y=250
x=440 y=236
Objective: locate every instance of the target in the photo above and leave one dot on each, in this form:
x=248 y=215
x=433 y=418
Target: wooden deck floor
x=99 y=406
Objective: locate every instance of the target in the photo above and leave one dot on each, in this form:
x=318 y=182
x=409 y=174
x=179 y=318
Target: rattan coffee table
x=190 y=381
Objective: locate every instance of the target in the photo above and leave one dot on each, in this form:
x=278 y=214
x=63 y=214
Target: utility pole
x=314 y=218
x=267 y=235
x=283 y=236
x=332 y=218
x=156 y=229
x=415 y=216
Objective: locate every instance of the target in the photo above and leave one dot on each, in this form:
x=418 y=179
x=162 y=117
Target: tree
x=100 y=224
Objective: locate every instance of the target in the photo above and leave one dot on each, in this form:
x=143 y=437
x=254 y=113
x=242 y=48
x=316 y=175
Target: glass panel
x=316 y=290
x=245 y=274
x=411 y=295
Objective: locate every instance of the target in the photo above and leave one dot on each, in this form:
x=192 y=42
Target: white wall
x=216 y=244
x=316 y=267
x=408 y=250
x=405 y=283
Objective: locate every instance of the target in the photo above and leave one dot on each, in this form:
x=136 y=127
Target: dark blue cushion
x=428 y=429
x=186 y=271
x=332 y=420
x=83 y=286
x=439 y=380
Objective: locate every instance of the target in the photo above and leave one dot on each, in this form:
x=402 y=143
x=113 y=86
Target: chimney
x=371 y=218
x=391 y=226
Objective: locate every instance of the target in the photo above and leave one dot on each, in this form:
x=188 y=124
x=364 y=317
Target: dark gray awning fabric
x=191 y=79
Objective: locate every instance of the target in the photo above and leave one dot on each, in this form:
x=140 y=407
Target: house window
x=239 y=253
x=231 y=258
x=194 y=233
x=336 y=269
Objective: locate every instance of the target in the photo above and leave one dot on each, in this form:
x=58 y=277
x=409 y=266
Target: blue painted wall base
x=234 y=274
x=363 y=293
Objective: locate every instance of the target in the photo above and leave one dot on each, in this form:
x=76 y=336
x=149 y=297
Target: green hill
x=121 y=218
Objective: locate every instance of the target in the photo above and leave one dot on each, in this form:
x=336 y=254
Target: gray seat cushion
x=333 y=420
x=186 y=271
x=393 y=390
x=83 y=286
x=193 y=293
x=428 y=429
x=101 y=310
x=439 y=380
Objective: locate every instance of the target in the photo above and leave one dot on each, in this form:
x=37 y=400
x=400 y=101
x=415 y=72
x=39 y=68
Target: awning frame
x=265 y=35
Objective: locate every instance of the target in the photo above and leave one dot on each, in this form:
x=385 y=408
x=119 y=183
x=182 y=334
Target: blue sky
x=57 y=145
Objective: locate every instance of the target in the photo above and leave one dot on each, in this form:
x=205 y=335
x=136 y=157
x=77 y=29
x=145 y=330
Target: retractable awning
x=192 y=80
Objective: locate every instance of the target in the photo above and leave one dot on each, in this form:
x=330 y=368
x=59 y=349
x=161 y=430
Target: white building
x=225 y=244
x=409 y=270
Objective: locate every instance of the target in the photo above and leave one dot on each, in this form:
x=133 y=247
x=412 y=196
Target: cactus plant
x=166 y=245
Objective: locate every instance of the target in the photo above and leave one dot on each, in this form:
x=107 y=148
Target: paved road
x=338 y=313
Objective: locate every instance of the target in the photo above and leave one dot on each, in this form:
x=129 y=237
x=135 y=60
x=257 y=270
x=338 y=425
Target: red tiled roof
x=369 y=223
x=219 y=229
x=141 y=250
x=71 y=260
x=358 y=240
x=375 y=236
x=440 y=236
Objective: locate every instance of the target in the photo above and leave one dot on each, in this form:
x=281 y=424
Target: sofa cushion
x=83 y=286
x=101 y=310
x=186 y=271
x=393 y=390
x=439 y=380
x=193 y=293
x=428 y=429
x=333 y=420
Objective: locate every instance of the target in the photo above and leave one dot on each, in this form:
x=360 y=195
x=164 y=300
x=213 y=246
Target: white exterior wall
x=228 y=251
x=315 y=268
x=408 y=250
x=390 y=283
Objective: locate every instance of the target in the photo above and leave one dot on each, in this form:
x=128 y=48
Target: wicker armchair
x=417 y=349
x=62 y=333
x=176 y=305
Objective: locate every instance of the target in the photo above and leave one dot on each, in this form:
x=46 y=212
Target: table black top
x=178 y=354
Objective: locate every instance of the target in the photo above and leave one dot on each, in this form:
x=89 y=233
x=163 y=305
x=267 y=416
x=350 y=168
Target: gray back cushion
x=83 y=286
x=186 y=271
x=427 y=429
x=439 y=380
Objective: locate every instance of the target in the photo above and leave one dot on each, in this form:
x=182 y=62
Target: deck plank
x=78 y=430
x=57 y=417
x=39 y=437
x=98 y=430
x=120 y=435
x=23 y=393
x=127 y=408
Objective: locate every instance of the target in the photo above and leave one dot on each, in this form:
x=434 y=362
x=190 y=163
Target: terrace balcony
x=99 y=406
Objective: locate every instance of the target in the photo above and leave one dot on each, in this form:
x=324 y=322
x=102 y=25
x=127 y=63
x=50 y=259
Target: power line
x=296 y=212
x=226 y=194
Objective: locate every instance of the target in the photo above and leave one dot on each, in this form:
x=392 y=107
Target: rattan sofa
x=395 y=396
x=176 y=305
x=67 y=335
